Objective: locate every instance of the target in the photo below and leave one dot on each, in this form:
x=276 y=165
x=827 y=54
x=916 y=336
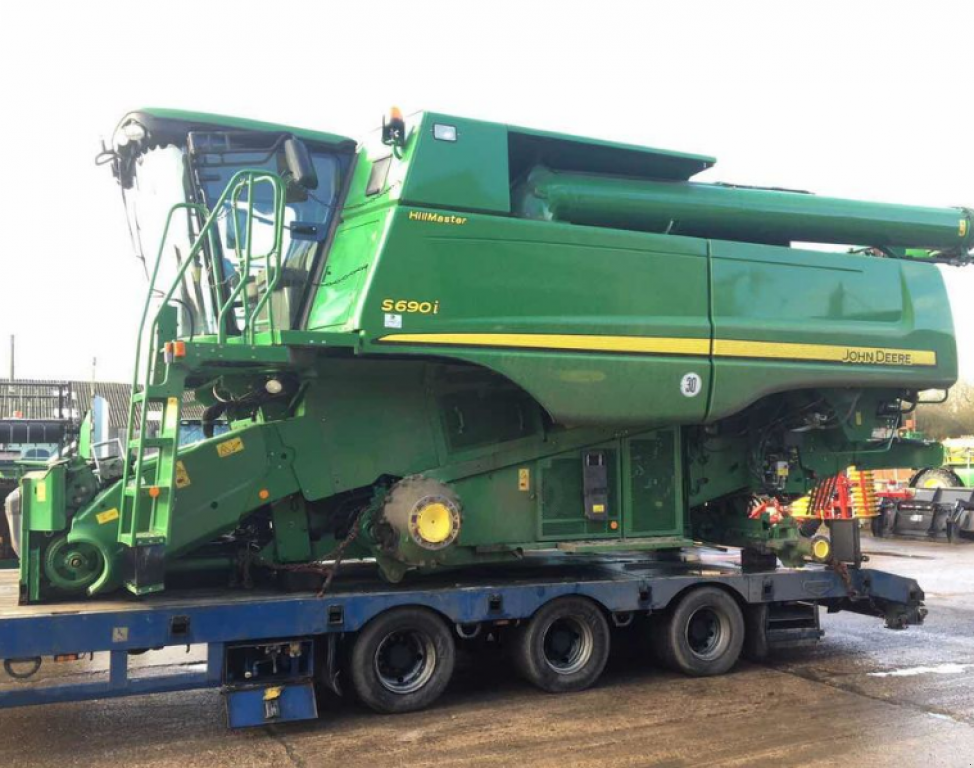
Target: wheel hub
x=705 y=633
x=72 y=566
x=568 y=644
x=405 y=661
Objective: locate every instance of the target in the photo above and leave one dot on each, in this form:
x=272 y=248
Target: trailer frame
x=229 y=622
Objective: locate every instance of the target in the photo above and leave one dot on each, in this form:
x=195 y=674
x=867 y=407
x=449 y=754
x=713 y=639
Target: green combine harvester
x=458 y=342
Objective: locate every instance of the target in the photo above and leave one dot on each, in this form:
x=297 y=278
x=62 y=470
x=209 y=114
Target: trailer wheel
x=564 y=646
x=703 y=633
x=402 y=660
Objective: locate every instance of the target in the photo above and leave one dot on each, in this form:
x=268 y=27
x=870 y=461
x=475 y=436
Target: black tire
x=703 y=633
x=935 y=477
x=402 y=660
x=809 y=528
x=564 y=646
x=756 y=646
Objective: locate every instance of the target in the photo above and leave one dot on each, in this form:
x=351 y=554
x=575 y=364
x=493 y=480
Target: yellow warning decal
x=598 y=508
x=107 y=516
x=229 y=447
x=963 y=227
x=42 y=491
x=524 y=479
x=182 y=476
x=172 y=413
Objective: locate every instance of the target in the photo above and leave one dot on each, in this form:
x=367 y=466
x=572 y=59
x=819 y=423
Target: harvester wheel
x=564 y=646
x=703 y=633
x=402 y=660
x=72 y=567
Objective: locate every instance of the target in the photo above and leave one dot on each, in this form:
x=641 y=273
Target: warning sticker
x=107 y=516
x=524 y=479
x=182 y=476
x=229 y=447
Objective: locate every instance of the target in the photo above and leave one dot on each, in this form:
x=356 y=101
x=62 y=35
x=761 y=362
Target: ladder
x=151 y=475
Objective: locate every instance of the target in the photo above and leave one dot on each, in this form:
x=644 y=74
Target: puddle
x=939 y=669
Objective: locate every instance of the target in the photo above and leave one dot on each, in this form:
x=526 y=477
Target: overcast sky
x=870 y=100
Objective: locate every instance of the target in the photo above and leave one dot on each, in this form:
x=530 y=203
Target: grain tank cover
x=529 y=148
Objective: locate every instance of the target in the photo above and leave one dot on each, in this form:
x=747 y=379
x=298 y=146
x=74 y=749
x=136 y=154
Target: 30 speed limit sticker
x=691 y=385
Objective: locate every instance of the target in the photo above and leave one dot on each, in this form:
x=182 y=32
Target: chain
x=843 y=570
x=326 y=566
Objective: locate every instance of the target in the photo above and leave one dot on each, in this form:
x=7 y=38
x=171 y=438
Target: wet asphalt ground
x=865 y=696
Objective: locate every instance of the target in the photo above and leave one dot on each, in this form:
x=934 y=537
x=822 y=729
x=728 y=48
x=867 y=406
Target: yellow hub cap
x=820 y=549
x=434 y=522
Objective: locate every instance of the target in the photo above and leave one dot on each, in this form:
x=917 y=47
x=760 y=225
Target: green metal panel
x=530 y=147
x=512 y=278
x=44 y=500
x=498 y=509
x=653 y=484
x=469 y=174
x=847 y=307
x=346 y=271
x=561 y=505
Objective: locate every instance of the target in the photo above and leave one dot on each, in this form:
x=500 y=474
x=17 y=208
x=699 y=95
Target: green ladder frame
x=149 y=483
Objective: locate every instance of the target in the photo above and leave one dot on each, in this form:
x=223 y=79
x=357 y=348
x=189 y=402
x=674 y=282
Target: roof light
x=443 y=132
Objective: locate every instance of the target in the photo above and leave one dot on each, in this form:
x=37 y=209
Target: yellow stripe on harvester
x=827 y=353
x=636 y=344
x=657 y=345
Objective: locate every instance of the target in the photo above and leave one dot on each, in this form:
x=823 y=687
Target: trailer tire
x=756 y=646
x=402 y=660
x=564 y=646
x=703 y=634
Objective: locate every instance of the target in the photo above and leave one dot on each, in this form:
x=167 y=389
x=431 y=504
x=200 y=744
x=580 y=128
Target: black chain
x=327 y=570
x=344 y=277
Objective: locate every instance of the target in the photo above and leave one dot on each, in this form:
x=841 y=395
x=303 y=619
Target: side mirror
x=299 y=163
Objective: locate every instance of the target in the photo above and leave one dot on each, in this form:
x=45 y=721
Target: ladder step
x=131 y=491
x=153 y=442
x=154 y=396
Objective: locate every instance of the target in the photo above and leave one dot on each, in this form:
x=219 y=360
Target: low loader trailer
x=393 y=646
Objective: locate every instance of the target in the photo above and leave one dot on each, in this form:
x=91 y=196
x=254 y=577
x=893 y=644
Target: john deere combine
x=460 y=341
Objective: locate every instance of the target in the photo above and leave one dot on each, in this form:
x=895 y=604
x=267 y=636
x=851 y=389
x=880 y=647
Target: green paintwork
x=493 y=313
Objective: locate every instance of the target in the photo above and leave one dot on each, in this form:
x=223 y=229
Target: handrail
x=244 y=179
